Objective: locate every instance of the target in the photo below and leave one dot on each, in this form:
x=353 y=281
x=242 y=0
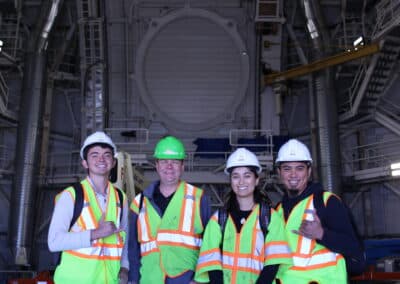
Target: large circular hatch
x=192 y=69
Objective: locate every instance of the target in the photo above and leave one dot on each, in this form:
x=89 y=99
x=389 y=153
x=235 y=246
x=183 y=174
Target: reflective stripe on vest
x=144 y=227
x=148 y=247
x=209 y=257
x=243 y=263
x=277 y=250
x=188 y=209
x=235 y=259
x=174 y=238
x=99 y=249
x=303 y=258
x=184 y=236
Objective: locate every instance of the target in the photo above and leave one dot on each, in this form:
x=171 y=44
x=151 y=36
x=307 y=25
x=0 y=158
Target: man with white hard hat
x=92 y=240
x=318 y=226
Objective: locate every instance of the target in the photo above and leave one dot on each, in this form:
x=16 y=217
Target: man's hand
x=123 y=275
x=105 y=229
x=311 y=229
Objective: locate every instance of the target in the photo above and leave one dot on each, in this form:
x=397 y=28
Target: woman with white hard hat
x=244 y=236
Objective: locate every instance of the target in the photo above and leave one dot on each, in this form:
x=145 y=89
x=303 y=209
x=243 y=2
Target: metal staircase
x=374 y=73
x=10 y=34
x=388 y=115
x=91 y=41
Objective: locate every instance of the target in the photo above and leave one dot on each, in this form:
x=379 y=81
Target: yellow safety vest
x=245 y=253
x=312 y=262
x=99 y=263
x=170 y=245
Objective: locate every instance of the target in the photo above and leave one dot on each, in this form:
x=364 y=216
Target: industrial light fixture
x=395 y=169
x=358 y=41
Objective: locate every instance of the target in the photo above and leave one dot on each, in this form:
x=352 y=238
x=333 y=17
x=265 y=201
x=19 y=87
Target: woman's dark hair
x=230 y=201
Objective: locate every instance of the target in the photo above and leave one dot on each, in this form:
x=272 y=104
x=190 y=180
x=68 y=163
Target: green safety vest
x=245 y=253
x=170 y=245
x=99 y=263
x=312 y=262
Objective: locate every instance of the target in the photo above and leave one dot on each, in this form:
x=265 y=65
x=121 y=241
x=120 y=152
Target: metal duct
x=26 y=162
x=22 y=209
x=325 y=104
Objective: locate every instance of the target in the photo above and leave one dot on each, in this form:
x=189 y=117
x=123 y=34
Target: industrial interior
x=218 y=74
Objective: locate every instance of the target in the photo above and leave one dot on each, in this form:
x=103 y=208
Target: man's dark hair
x=102 y=145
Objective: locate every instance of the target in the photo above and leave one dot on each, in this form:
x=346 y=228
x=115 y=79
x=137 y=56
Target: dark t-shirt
x=161 y=201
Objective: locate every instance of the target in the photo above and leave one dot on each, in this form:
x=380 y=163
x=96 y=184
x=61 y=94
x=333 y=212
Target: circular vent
x=192 y=69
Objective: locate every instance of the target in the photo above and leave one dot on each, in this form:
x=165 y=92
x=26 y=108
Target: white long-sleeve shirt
x=59 y=237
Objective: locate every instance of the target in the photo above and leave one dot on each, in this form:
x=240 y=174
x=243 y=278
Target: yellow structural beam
x=322 y=63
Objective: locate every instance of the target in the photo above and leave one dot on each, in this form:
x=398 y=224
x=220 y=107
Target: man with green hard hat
x=167 y=221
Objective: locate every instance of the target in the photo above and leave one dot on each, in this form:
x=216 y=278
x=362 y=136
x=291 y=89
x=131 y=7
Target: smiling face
x=170 y=171
x=243 y=182
x=294 y=176
x=99 y=161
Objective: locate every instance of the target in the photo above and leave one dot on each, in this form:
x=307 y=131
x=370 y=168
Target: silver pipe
x=325 y=104
x=23 y=198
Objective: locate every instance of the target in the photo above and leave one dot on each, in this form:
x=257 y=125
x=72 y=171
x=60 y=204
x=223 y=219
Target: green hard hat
x=169 y=148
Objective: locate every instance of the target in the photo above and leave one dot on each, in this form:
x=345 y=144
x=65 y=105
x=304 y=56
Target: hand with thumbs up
x=104 y=229
x=311 y=229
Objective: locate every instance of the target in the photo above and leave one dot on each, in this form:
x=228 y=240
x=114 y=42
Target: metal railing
x=374 y=155
x=387 y=17
x=6 y=159
x=64 y=164
x=252 y=138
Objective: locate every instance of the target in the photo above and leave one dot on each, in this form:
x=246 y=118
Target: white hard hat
x=98 y=137
x=242 y=158
x=293 y=151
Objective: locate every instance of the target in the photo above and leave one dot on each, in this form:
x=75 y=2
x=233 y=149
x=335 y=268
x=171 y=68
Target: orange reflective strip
x=207 y=263
x=143 y=223
x=316 y=266
x=257 y=242
x=329 y=259
x=165 y=243
x=146 y=220
x=187 y=217
x=171 y=237
x=286 y=254
x=242 y=255
x=180 y=233
x=212 y=256
x=306 y=245
x=214 y=250
x=90 y=210
x=194 y=192
x=237 y=247
x=97 y=244
x=183 y=209
x=236 y=269
x=135 y=201
x=100 y=257
x=82 y=223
